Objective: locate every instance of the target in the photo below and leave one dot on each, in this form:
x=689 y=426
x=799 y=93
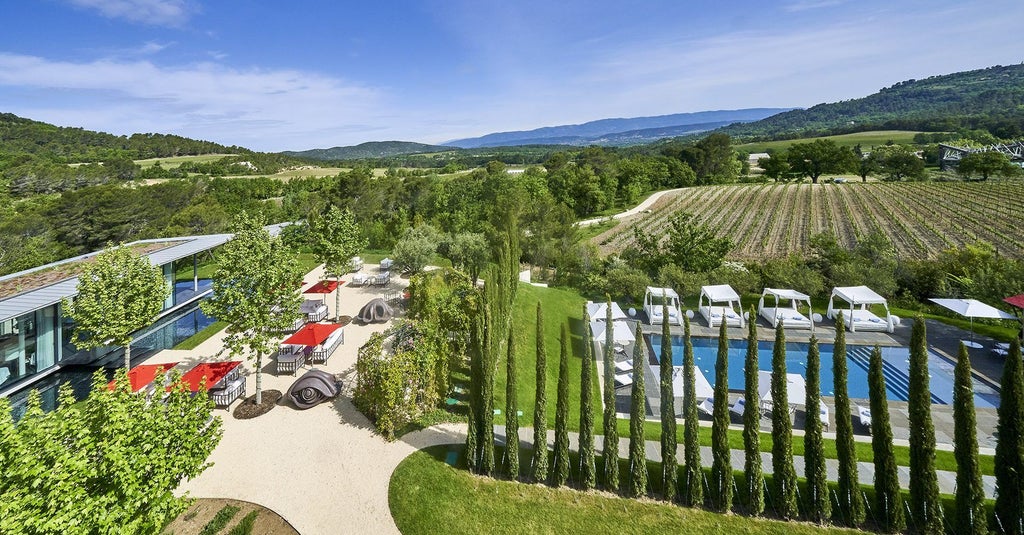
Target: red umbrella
x=1017 y=300
x=312 y=334
x=323 y=288
x=143 y=374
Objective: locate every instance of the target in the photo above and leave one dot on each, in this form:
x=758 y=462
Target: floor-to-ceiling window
x=28 y=344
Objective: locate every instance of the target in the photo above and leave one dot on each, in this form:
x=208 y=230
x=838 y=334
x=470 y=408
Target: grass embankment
x=865 y=139
x=562 y=305
x=426 y=493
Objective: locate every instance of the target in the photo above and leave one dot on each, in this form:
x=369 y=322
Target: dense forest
x=986 y=99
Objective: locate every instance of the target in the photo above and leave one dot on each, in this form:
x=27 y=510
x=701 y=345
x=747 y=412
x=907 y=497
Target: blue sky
x=326 y=73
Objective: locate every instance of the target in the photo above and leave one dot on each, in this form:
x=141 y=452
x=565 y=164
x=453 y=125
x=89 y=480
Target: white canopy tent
x=599 y=311
x=730 y=312
x=620 y=331
x=702 y=388
x=653 y=300
x=789 y=315
x=861 y=319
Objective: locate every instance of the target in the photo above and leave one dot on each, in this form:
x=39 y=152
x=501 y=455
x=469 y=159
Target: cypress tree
x=784 y=476
x=637 y=410
x=1010 y=448
x=540 y=418
x=588 y=472
x=971 y=517
x=511 y=412
x=693 y=480
x=720 y=485
x=752 y=469
x=562 y=413
x=819 y=505
x=486 y=428
x=888 y=498
x=669 y=469
x=925 y=507
x=471 y=433
x=850 y=501
x=475 y=394
x=611 y=432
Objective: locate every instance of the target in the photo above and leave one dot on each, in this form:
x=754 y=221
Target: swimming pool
x=895 y=359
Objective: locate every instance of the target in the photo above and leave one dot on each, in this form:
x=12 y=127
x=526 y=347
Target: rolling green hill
x=991 y=99
x=372 y=149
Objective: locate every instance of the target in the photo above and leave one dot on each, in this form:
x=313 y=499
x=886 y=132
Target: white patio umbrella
x=972 y=308
x=621 y=332
x=796 y=387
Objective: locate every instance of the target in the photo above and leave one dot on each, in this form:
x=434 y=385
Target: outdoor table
x=142 y=375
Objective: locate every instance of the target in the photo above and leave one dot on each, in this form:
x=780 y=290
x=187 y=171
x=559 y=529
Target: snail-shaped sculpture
x=376 y=311
x=313 y=388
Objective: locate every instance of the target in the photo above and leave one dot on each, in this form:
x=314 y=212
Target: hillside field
x=865 y=139
x=772 y=220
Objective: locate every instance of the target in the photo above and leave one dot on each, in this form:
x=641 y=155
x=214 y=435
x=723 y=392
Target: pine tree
x=850 y=502
x=819 y=504
x=1010 y=448
x=540 y=417
x=669 y=469
x=693 y=476
x=562 y=413
x=588 y=471
x=611 y=431
x=970 y=515
x=637 y=411
x=511 y=412
x=784 y=475
x=925 y=507
x=888 y=498
x=752 y=471
x=720 y=486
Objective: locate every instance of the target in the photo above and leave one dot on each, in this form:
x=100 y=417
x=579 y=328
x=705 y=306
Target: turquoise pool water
x=896 y=363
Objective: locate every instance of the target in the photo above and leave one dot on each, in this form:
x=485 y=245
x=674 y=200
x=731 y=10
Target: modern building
x=35 y=336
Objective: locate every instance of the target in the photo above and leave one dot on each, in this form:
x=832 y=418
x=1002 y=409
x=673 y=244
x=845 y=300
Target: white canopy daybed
x=599 y=311
x=730 y=312
x=790 y=316
x=861 y=319
x=653 y=300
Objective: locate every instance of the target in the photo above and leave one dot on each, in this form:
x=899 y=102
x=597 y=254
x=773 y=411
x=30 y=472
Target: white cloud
x=154 y=12
x=258 y=108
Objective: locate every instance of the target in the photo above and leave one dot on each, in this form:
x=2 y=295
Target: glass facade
x=28 y=344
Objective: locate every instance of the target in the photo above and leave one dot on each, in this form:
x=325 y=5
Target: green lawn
x=426 y=494
x=192 y=341
x=865 y=139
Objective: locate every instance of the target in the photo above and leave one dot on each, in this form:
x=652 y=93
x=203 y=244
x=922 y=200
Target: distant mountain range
x=370 y=149
x=631 y=131
x=990 y=98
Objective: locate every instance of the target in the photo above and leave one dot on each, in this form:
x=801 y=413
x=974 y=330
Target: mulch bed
x=249 y=409
x=193 y=520
x=344 y=320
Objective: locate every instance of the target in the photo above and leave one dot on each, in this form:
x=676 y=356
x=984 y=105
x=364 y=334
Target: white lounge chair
x=623 y=379
x=1001 y=349
x=739 y=407
x=790 y=316
x=707 y=406
x=624 y=366
x=864 y=414
x=823 y=415
x=716 y=314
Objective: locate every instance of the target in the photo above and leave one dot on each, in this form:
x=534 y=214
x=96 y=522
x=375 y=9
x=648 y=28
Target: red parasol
x=312 y=334
x=1017 y=300
x=324 y=288
x=143 y=374
x=212 y=371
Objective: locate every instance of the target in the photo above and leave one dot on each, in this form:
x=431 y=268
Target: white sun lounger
x=865 y=416
x=823 y=415
x=623 y=379
x=1001 y=349
x=739 y=407
x=707 y=406
x=624 y=366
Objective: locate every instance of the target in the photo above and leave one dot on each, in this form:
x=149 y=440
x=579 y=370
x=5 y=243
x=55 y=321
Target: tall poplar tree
x=669 y=469
x=588 y=470
x=784 y=475
x=511 y=412
x=540 y=417
x=970 y=515
x=611 y=431
x=819 y=504
x=752 y=468
x=720 y=486
x=693 y=475
x=925 y=506
x=562 y=412
x=850 y=502
x=888 y=498
x=1010 y=448
x=637 y=486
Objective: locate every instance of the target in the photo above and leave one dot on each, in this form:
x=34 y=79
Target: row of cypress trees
x=923 y=511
